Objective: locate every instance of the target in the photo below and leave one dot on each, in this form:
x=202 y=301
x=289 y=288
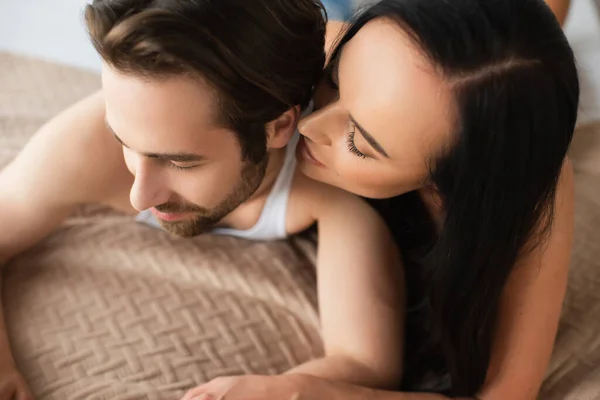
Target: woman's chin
x=315 y=172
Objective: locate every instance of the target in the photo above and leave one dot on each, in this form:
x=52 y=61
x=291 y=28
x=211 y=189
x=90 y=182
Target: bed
x=107 y=308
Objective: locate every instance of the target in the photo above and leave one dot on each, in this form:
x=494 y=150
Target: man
x=194 y=131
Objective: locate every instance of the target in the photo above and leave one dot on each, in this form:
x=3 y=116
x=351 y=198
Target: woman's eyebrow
x=369 y=138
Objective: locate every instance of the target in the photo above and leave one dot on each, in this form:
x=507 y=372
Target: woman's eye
x=351 y=145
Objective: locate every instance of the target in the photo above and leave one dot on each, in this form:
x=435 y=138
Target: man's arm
x=360 y=289
x=71 y=160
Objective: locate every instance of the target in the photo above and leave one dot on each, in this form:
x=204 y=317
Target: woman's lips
x=303 y=151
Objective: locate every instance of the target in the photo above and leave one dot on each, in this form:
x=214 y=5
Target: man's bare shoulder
x=72 y=159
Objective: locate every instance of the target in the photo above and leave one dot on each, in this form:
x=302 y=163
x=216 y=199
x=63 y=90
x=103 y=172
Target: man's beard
x=251 y=177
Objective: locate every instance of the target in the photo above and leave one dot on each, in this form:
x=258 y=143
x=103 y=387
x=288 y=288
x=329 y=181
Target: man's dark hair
x=260 y=56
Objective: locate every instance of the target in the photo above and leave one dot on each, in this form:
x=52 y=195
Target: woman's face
x=381 y=115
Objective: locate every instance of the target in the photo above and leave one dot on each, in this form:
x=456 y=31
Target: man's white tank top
x=272 y=221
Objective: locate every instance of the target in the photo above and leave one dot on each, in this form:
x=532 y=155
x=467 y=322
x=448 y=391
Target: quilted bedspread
x=106 y=308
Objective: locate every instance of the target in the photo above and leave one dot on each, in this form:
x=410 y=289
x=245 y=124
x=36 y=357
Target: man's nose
x=148 y=188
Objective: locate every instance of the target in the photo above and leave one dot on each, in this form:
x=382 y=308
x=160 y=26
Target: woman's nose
x=315 y=127
x=323 y=123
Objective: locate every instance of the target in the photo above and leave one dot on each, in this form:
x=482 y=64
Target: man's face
x=188 y=170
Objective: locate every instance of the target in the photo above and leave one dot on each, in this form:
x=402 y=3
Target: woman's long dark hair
x=516 y=92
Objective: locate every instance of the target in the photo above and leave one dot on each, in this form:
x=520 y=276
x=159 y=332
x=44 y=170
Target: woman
x=457 y=116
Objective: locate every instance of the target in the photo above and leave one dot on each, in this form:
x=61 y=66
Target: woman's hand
x=251 y=387
x=295 y=387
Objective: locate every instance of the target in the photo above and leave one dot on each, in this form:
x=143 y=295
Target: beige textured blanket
x=110 y=309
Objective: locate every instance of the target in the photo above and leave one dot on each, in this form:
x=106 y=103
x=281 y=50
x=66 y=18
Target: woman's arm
x=360 y=288
x=530 y=308
x=361 y=305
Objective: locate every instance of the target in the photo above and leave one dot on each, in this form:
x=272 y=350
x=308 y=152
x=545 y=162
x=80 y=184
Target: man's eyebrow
x=370 y=139
x=114 y=134
x=176 y=157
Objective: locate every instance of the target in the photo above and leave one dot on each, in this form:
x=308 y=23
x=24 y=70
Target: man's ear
x=281 y=130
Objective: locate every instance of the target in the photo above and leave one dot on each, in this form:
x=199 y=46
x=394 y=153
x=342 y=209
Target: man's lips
x=304 y=153
x=170 y=217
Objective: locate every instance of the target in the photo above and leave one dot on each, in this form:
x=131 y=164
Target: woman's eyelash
x=351 y=146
